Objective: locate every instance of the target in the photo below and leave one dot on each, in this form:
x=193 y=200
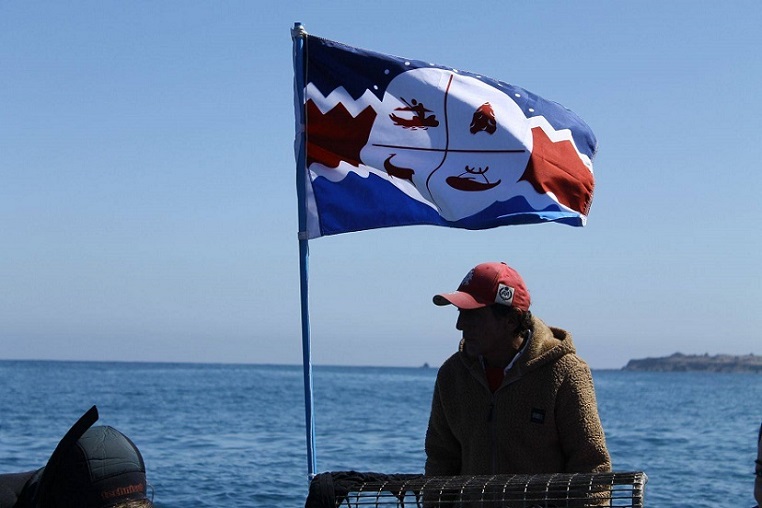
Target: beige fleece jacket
x=542 y=419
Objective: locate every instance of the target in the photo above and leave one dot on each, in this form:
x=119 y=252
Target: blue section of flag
x=356 y=193
x=362 y=196
x=333 y=65
x=515 y=212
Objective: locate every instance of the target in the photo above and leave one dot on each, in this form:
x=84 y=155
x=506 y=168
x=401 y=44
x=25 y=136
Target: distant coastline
x=679 y=362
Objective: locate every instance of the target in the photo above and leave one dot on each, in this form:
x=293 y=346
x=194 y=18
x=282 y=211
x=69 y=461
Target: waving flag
x=390 y=141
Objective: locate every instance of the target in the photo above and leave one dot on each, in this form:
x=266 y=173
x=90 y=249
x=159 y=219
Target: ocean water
x=233 y=435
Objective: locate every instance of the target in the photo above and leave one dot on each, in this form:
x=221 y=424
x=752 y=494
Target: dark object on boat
x=91 y=467
x=354 y=489
x=32 y=487
x=51 y=469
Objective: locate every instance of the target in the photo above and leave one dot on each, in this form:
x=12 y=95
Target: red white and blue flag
x=390 y=141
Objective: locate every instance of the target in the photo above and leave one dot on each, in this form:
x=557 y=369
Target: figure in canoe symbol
x=419 y=119
x=465 y=182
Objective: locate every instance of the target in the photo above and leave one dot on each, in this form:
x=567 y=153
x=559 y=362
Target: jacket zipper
x=493 y=433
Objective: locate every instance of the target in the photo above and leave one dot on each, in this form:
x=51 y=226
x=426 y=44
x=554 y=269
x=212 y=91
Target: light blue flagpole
x=298 y=36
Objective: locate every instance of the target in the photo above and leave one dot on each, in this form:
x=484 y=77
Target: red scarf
x=495 y=377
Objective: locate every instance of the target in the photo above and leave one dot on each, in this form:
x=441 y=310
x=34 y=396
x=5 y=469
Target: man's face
x=485 y=333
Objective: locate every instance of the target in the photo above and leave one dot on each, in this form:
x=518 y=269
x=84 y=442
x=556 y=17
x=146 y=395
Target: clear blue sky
x=147 y=190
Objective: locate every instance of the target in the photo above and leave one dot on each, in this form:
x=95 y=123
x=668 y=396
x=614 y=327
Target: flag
x=389 y=141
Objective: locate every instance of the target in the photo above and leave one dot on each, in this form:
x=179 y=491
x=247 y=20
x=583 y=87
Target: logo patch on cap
x=537 y=415
x=504 y=294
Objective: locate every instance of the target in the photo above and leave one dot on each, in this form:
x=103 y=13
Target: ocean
x=233 y=435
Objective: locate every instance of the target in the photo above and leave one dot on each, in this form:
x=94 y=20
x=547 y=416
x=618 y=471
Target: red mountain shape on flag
x=556 y=167
x=336 y=135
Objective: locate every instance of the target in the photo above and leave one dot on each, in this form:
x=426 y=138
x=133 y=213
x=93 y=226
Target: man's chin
x=471 y=348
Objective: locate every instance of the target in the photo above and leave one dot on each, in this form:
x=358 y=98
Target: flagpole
x=298 y=36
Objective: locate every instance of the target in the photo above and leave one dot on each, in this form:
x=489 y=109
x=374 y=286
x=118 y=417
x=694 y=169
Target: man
x=92 y=467
x=515 y=398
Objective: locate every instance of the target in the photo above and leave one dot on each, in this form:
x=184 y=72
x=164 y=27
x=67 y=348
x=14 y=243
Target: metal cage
x=351 y=489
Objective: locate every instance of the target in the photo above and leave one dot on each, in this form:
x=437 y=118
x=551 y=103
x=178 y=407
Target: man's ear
x=510 y=320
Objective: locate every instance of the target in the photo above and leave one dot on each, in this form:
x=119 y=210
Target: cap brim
x=460 y=299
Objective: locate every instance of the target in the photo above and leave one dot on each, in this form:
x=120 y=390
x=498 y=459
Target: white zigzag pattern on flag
x=355 y=107
x=340 y=95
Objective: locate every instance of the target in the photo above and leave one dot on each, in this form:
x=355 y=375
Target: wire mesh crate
x=351 y=489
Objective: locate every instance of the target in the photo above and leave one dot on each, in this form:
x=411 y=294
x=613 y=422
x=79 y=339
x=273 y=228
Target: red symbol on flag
x=484 y=119
x=419 y=120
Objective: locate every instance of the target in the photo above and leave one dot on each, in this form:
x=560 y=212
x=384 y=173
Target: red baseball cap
x=486 y=284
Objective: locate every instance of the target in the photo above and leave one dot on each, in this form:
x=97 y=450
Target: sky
x=148 y=206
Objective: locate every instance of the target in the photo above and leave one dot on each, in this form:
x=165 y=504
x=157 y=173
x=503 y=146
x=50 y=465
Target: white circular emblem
x=504 y=295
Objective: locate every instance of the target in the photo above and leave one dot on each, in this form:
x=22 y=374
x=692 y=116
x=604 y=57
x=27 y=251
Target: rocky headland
x=679 y=362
